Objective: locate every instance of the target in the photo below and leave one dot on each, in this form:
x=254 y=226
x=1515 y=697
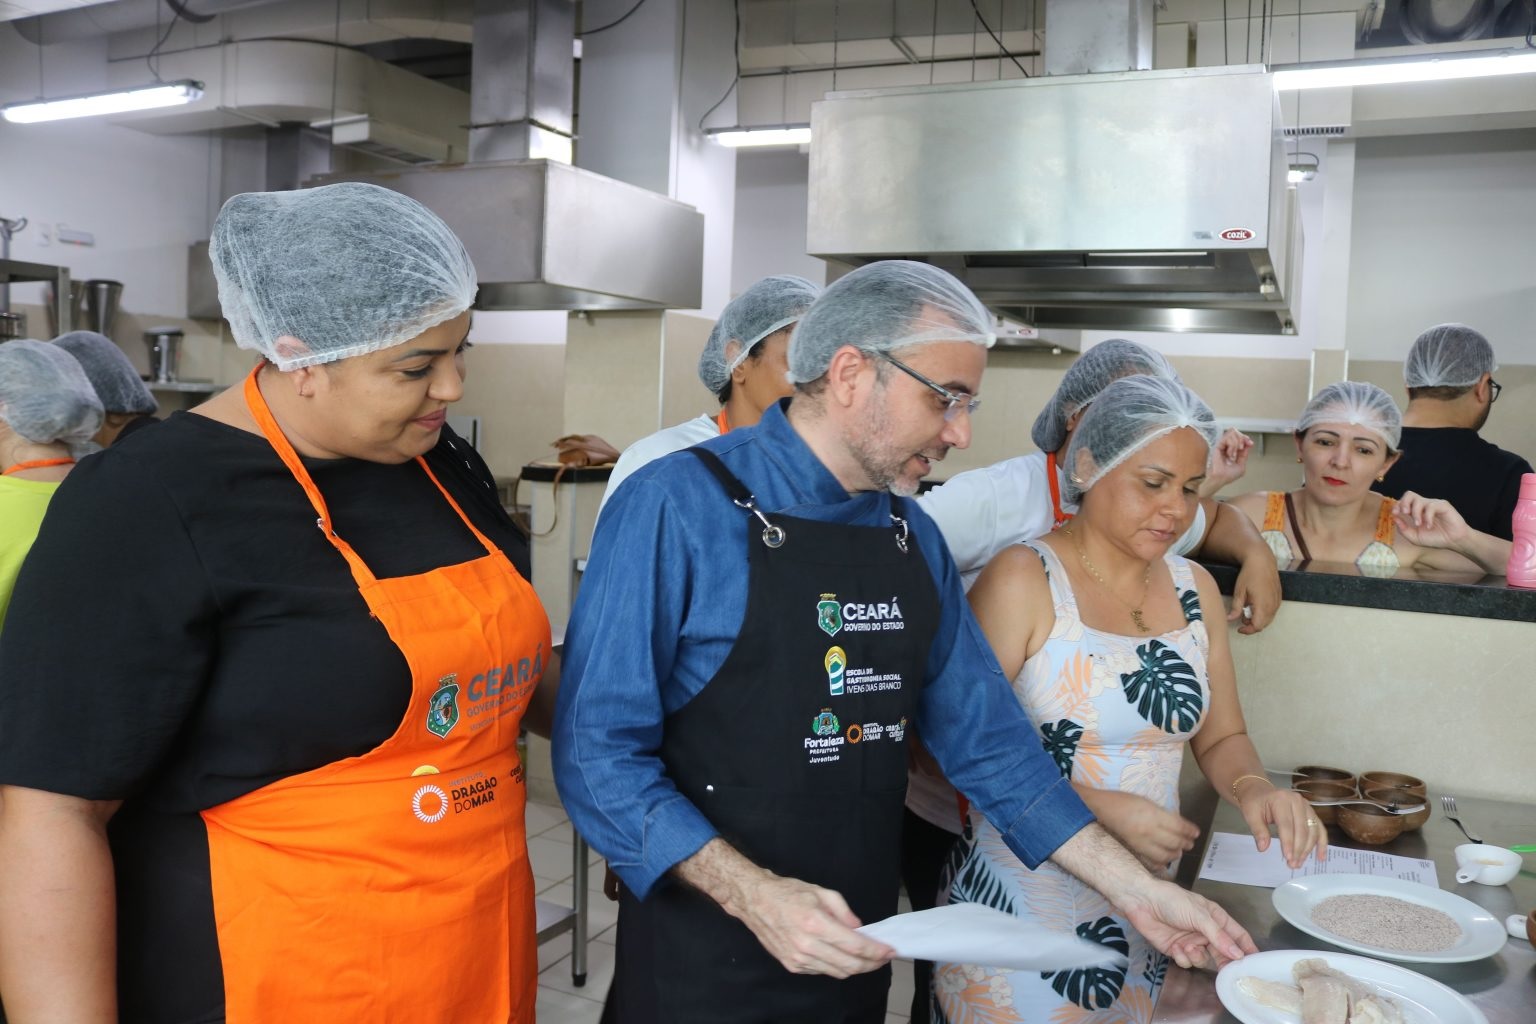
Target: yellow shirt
x=22 y=504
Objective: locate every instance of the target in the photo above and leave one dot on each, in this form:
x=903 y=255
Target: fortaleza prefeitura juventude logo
x=857 y=616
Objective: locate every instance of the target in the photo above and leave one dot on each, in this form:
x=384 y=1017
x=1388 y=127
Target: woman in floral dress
x=1104 y=636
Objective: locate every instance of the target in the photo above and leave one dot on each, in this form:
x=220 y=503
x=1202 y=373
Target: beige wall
x=518 y=393
x=1446 y=698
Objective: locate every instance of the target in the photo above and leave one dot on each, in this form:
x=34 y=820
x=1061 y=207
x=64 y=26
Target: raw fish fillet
x=1324 y=1000
x=1274 y=994
x=1375 y=1010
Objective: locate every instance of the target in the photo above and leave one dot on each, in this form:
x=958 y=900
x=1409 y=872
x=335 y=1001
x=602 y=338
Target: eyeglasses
x=958 y=401
x=1494 y=387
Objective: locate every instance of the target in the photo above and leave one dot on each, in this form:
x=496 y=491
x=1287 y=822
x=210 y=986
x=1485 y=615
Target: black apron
x=796 y=752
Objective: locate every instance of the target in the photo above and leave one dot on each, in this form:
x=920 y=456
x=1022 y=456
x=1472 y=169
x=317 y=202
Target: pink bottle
x=1522 y=557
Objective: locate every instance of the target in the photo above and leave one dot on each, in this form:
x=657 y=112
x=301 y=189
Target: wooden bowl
x=1369 y=825
x=1402 y=798
x=1315 y=790
x=1322 y=773
x=1394 y=780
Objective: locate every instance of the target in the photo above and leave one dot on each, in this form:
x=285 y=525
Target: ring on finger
x=1311 y=823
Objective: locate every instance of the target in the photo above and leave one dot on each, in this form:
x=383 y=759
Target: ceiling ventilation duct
x=1152 y=200
x=544 y=234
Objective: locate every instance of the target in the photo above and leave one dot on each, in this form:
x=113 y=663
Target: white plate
x=1422 y=1000
x=1482 y=934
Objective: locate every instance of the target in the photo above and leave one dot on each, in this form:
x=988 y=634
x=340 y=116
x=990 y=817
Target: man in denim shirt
x=760 y=623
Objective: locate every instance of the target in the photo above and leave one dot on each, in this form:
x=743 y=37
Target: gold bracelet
x=1240 y=778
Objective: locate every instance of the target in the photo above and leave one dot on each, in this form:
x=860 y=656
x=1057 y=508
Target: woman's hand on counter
x=1156 y=836
x=1289 y=813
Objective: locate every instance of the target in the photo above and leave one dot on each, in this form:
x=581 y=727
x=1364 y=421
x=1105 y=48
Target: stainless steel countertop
x=1503 y=986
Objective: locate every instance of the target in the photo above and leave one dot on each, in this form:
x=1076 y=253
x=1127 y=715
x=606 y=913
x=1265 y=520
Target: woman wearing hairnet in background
x=745 y=364
x=257 y=770
x=47 y=411
x=1103 y=633
x=1347 y=438
x=128 y=404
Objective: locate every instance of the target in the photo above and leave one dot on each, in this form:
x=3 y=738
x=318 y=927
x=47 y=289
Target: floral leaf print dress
x=1114 y=712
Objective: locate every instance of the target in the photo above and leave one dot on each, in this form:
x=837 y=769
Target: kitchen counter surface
x=1410 y=590
x=1503 y=986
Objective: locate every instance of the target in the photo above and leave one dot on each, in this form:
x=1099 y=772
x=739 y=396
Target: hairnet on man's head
x=344 y=269
x=1448 y=356
x=1093 y=371
x=769 y=305
x=1358 y=403
x=116 y=382
x=1126 y=416
x=45 y=396
x=884 y=307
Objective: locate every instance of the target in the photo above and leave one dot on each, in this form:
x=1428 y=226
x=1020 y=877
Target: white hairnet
x=107 y=367
x=769 y=305
x=45 y=396
x=1126 y=416
x=1354 y=401
x=883 y=307
x=346 y=269
x=1448 y=356
x=1093 y=371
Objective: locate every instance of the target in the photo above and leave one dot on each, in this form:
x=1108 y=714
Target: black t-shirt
x=181 y=634
x=1479 y=478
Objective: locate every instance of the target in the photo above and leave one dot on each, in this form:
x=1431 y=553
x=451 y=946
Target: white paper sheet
x=968 y=933
x=1233 y=858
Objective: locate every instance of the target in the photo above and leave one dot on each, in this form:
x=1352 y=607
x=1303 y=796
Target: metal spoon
x=1389 y=808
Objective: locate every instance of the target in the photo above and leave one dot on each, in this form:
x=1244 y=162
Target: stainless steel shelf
x=196 y=387
x=19 y=272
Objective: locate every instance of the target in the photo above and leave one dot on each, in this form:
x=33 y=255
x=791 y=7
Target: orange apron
x=394 y=886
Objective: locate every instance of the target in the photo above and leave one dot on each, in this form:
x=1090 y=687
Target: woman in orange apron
x=317 y=814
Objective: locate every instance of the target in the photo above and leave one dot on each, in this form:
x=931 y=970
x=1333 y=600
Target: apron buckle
x=773 y=536
x=901 y=532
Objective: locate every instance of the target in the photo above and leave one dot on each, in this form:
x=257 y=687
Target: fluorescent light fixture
x=161 y=94
x=1438 y=68
x=788 y=135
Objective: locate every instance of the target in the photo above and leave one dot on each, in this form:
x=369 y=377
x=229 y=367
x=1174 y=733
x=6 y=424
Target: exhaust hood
x=1144 y=200
x=546 y=235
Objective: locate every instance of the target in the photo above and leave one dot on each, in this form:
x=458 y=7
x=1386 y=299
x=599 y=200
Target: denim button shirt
x=660 y=604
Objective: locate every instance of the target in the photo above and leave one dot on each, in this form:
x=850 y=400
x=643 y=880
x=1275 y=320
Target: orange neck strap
x=37 y=464
x=1058 y=517
x=723 y=423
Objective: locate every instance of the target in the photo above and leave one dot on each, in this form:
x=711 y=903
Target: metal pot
x=13 y=325
x=164 y=345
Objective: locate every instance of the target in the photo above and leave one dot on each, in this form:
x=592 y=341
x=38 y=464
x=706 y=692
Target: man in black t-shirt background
x=1451 y=391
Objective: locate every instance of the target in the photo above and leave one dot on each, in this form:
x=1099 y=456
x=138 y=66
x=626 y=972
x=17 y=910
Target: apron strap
x=361 y=574
x=1058 y=517
x=773 y=535
x=1301 y=542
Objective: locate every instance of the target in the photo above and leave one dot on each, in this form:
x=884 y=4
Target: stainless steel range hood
x=1152 y=200
x=544 y=234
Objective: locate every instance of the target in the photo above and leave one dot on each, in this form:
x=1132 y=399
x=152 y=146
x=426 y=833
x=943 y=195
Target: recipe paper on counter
x=1234 y=858
x=969 y=933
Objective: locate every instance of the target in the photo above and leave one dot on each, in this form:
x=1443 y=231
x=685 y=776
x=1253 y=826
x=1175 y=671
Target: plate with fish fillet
x=1391 y=918
x=1304 y=986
